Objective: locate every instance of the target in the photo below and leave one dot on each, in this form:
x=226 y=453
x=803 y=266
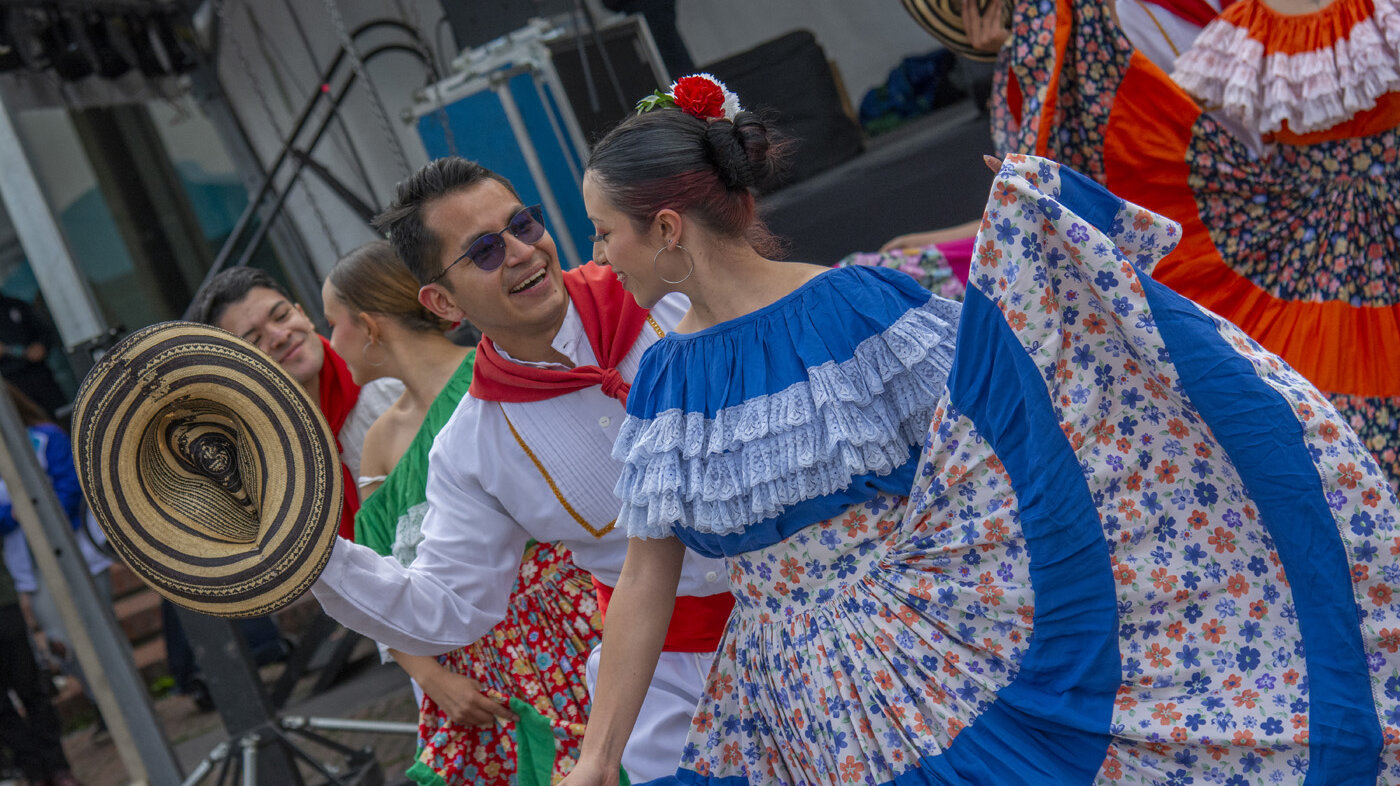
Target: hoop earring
x=368 y=344
x=683 y=278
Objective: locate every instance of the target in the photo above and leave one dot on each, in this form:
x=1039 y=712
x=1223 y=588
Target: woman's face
x=349 y=338
x=617 y=243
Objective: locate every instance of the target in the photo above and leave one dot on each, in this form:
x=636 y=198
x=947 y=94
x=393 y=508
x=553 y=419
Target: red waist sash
x=696 y=623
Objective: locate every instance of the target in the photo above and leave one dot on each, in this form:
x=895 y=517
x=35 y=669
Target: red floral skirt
x=537 y=654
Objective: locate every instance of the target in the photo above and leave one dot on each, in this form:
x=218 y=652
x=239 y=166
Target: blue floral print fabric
x=1138 y=548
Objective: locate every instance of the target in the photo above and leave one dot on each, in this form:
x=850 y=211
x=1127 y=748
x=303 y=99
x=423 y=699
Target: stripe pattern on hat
x=209 y=468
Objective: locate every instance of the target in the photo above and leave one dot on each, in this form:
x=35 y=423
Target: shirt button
x=712 y=577
x=604 y=421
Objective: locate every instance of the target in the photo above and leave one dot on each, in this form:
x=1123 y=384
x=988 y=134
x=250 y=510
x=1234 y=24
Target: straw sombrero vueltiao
x=211 y=471
x=943 y=20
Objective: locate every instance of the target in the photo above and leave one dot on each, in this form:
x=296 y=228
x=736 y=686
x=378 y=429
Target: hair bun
x=745 y=152
x=727 y=152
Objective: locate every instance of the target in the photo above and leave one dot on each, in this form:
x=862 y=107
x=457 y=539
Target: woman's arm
x=376 y=457
x=638 y=615
x=458 y=695
x=933 y=237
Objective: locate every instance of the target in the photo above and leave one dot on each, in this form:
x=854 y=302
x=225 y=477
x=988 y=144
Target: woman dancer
x=785 y=415
x=1275 y=144
x=538 y=653
x=1137 y=547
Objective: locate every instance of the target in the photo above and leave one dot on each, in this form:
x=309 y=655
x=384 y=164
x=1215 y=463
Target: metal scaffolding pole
x=70 y=301
x=291 y=249
x=103 y=653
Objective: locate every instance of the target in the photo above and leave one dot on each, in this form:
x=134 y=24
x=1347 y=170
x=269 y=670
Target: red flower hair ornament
x=700 y=95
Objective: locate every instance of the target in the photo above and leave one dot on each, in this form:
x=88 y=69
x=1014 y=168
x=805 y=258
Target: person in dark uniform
x=24 y=348
x=33 y=738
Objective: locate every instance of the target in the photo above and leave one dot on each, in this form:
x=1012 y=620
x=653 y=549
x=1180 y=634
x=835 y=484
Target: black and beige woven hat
x=213 y=474
x=943 y=20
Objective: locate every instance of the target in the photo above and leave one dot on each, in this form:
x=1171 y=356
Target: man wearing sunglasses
x=528 y=452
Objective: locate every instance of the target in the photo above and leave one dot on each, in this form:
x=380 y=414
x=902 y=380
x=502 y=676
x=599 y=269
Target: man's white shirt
x=487 y=499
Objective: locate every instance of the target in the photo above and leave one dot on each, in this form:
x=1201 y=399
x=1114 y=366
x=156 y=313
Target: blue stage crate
x=503 y=119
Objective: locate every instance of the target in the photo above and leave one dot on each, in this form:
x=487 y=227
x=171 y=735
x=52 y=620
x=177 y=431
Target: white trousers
x=654 y=749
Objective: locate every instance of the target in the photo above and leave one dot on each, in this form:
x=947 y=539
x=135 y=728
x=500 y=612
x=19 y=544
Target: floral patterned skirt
x=537 y=654
x=860 y=648
x=841 y=663
x=1139 y=549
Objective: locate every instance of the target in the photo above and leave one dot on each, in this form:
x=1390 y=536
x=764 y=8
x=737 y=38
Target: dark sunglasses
x=489 y=250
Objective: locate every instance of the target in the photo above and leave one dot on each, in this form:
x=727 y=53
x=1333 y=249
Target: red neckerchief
x=1197 y=12
x=611 y=319
x=338 y=396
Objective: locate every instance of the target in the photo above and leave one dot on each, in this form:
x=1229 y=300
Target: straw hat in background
x=943 y=19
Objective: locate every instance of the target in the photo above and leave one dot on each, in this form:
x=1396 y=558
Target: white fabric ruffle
x=409 y=533
x=1312 y=91
x=753 y=460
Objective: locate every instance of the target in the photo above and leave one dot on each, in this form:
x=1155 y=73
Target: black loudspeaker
x=635 y=65
x=110 y=62
x=476 y=22
x=790 y=78
x=64 y=51
x=11 y=58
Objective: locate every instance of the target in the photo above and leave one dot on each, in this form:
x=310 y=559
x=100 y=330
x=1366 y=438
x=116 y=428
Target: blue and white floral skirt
x=842 y=662
x=1140 y=549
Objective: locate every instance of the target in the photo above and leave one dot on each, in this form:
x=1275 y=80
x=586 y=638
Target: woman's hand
x=911 y=240
x=587 y=772
x=461 y=698
x=934 y=237
x=986 y=30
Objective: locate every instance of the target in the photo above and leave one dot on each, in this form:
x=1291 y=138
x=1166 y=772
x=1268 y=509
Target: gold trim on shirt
x=659 y=332
x=544 y=473
x=554 y=487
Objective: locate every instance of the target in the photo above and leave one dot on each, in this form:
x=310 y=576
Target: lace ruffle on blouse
x=736 y=424
x=1310 y=71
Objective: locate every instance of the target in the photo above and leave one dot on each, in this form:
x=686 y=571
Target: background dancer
x=1273 y=143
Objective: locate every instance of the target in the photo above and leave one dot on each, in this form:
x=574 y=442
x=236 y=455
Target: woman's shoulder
x=375 y=459
x=825 y=320
x=734 y=427
x=388 y=438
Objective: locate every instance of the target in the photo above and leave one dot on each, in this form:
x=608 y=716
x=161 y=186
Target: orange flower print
x=1348 y=475
x=1223 y=540
x=1390 y=639
x=1166 y=713
x=1212 y=631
